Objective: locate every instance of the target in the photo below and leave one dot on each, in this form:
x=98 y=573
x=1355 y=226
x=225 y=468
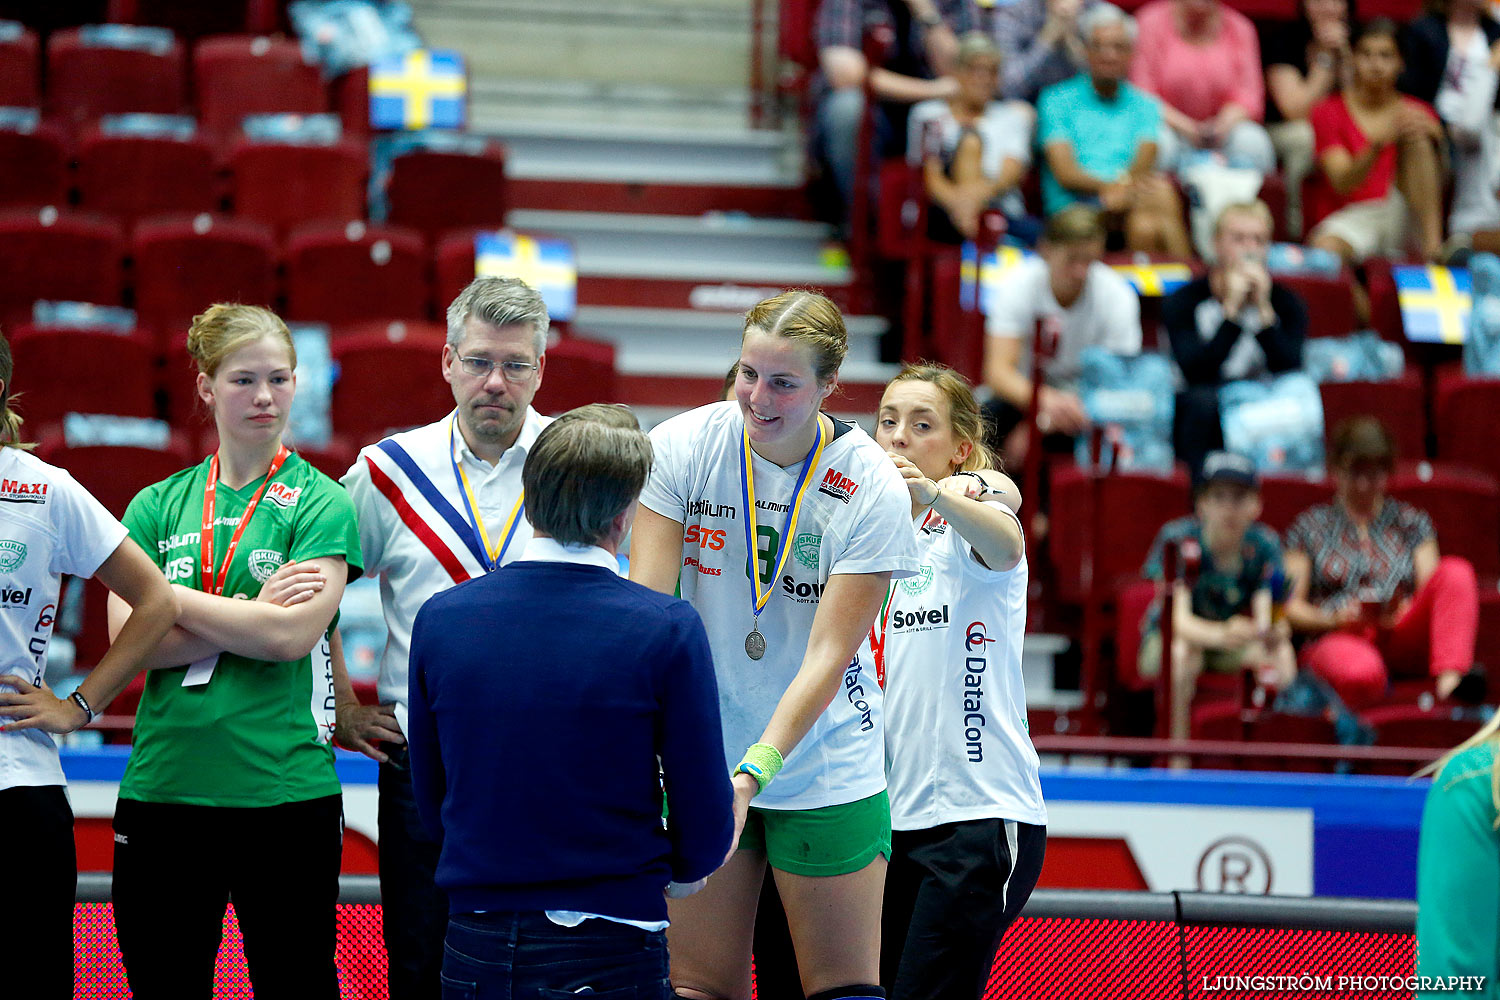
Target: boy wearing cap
x=1222 y=623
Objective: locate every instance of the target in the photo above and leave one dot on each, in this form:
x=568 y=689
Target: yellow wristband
x=762 y=762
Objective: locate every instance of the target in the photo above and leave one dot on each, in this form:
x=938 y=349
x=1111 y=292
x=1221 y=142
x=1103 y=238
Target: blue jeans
x=416 y=910
x=525 y=956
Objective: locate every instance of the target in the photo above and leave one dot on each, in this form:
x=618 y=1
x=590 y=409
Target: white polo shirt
x=855 y=519
x=49 y=525
x=414 y=531
x=958 y=746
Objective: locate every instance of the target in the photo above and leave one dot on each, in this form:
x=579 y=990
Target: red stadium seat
x=349 y=95
x=453 y=269
x=94 y=371
x=194 y=19
x=1463 y=415
x=384 y=386
x=332 y=459
x=135 y=176
x=18 y=71
x=1132 y=598
x=34 y=167
x=1401 y=404
x=395 y=331
x=1439 y=727
x=1465 y=509
x=183 y=264
x=1284 y=497
x=1126 y=532
x=956 y=333
x=115 y=474
x=63 y=256
x=86 y=81
x=434 y=192
x=344 y=274
x=578 y=372
x=1330 y=302
x=286 y=184
x=239 y=75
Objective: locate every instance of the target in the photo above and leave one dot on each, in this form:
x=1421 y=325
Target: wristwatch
x=78 y=699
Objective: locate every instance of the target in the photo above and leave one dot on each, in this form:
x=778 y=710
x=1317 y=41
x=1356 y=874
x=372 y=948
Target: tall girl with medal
x=966 y=803
x=230 y=791
x=783 y=527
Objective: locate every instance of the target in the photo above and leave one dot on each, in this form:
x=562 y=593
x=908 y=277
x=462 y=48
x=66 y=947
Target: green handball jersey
x=258 y=733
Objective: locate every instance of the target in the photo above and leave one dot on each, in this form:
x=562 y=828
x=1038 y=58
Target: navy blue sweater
x=541 y=696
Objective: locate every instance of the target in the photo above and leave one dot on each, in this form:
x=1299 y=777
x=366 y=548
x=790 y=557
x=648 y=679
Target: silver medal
x=755 y=644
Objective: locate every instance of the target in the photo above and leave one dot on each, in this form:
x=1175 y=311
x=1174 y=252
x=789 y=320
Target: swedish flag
x=1435 y=302
x=984 y=273
x=1155 y=280
x=421 y=89
x=544 y=263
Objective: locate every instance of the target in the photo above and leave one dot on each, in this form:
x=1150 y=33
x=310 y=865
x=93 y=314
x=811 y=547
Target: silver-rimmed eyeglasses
x=514 y=371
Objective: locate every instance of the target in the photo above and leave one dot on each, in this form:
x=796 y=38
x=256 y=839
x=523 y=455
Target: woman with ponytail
x=49 y=525
x=968 y=824
x=1458 y=866
x=230 y=792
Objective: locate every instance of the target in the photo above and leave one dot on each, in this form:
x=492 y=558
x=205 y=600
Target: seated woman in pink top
x=1378 y=185
x=1203 y=60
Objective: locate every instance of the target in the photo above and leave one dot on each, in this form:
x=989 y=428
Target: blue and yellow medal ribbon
x=747 y=493
x=493 y=555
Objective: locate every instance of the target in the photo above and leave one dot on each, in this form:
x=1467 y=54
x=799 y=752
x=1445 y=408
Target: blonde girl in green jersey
x=230 y=792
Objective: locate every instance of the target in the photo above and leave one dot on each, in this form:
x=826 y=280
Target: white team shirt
x=412 y=569
x=1106 y=314
x=855 y=519
x=49 y=525
x=957 y=743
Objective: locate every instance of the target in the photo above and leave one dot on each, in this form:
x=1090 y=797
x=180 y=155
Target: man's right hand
x=359 y=727
x=1063 y=411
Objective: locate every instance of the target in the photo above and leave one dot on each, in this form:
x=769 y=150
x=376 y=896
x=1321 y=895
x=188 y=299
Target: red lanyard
x=877 y=631
x=211 y=583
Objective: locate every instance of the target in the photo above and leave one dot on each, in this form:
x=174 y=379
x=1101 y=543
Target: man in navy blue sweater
x=542 y=697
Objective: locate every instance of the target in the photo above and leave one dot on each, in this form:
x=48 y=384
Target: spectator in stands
x=1305 y=63
x=231 y=790
x=1232 y=323
x=1369 y=586
x=973 y=149
x=1094 y=306
x=1202 y=58
x=410 y=490
x=1379 y=159
x=1040 y=44
x=1222 y=623
x=1458 y=865
x=555 y=861
x=1098 y=134
x=1451 y=54
x=917 y=69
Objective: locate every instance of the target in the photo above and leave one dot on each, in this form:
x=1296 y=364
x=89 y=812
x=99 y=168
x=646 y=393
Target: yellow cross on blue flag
x=1435 y=302
x=1155 y=280
x=423 y=88
x=985 y=272
x=545 y=263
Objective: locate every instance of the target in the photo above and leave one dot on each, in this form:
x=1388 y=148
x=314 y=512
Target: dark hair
x=608 y=414
x=730 y=377
x=1362 y=441
x=1376 y=27
x=580 y=474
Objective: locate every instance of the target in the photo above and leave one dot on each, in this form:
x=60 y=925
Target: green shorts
x=834 y=840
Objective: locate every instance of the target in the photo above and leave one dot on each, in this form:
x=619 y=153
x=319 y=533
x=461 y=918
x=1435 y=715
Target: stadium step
x=786 y=200
x=713 y=243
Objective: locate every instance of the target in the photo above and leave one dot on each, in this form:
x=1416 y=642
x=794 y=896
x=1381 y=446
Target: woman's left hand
x=745 y=788
x=923 y=490
x=292 y=584
x=36 y=707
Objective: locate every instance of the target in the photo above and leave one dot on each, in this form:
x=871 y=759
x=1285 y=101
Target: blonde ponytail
x=10 y=420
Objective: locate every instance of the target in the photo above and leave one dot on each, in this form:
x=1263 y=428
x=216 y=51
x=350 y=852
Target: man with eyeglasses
x=439 y=505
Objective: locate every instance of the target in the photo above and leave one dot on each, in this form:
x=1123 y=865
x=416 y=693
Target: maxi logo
x=12 y=555
x=264 y=563
x=838 y=486
x=807 y=548
x=975 y=638
x=918 y=585
x=12 y=491
x=282 y=495
x=13 y=597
